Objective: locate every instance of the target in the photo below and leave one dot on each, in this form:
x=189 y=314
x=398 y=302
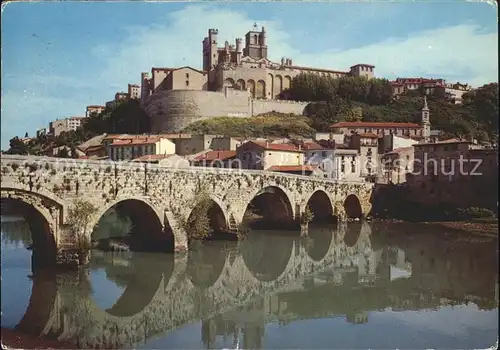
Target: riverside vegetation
x=332 y=100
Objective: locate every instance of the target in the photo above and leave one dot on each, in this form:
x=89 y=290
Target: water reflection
x=252 y=294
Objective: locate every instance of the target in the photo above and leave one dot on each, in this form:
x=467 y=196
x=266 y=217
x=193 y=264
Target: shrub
x=475 y=213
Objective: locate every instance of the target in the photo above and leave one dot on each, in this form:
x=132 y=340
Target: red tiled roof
x=374 y=125
x=93 y=148
x=135 y=141
x=312 y=146
x=292 y=168
x=369 y=135
x=95 y=106
x=151 y=157
x=286 y=147
x=216 y=155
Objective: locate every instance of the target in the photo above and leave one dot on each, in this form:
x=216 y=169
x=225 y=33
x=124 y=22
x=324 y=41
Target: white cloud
x=462 y=52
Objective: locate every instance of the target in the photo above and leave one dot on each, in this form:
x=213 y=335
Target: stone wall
x=264 y=106
x=172 y=111
x=52 y=185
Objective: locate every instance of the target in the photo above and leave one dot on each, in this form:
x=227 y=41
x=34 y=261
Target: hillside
x=333 y=100
x=269 y=124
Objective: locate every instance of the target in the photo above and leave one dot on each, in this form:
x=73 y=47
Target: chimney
x=267 y=144
x=300 y=147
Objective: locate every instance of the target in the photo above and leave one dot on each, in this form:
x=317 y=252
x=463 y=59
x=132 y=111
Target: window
x=187 y=75
x=353 y=165
x=323 y=154
x=187 y=82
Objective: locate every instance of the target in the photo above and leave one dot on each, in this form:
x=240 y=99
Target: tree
x=62 y=152
x=26 y=134
x=17 y=146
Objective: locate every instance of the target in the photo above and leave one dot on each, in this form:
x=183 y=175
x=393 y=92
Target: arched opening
x=38 y=237
x=260 y=89
x=267 y=254
x=139 y=275
x=319 y=241
x=270 y=208
x=352 y=233
x=278 y=85
x=321 y=207
x=205 y=265
x=352 y=207
x=241 y=84
x=131 y=225
x=41 y=303
x=229 y=83
x=207 y=221
x=251 y=87
x=270 y=85
x=287 y=82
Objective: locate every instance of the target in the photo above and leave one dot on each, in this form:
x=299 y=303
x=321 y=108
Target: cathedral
x=240 y=67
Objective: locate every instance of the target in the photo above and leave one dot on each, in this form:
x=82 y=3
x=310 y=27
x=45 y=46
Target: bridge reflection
x=235 y=289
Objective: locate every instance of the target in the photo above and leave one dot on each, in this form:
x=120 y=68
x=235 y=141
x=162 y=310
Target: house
x=378 y=128
x=263 y=155
x=164 y=160
x=306 y=170
x=397 y=164
x=216 y=159
x=367 y=145
x=389 y=143
x=137 y=146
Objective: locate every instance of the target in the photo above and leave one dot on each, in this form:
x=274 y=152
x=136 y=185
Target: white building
x=132 y=147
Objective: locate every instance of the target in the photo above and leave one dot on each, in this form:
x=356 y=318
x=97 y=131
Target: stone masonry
x=52 y=185
x=165 y=303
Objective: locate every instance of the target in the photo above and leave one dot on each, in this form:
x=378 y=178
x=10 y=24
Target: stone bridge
x=160 y=197
x=178 y=292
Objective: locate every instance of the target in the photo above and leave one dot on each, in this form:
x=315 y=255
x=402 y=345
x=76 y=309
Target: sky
x=59 y=57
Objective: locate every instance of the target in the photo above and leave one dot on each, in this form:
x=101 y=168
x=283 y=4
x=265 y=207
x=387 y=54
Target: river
x=353 y=286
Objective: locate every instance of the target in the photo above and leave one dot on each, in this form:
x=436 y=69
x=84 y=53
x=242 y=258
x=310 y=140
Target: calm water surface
x=355 y=286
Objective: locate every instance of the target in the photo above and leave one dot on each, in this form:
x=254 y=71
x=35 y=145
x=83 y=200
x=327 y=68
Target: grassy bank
x=269 y=124
x=485 y=227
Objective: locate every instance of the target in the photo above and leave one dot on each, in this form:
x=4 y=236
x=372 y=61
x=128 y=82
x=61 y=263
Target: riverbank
x=484 y=228
x=481 y=227
x=12 y=339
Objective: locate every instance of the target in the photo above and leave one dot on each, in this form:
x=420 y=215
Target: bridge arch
x=352 y=206
x=352 y=233
x=267 y=255
x=205 y=266
x=43 y=216
x=147 y=222
x=273 y=203
x=42 y=304
x=320 y=204
x=217 y=215
x=141 y=275
x=319 y=241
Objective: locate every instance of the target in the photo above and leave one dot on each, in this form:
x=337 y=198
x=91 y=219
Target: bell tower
x=426 y=123
x=256 y=43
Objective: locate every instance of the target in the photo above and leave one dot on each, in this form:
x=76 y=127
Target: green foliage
x=475 y=213
x=78 y=220
x=126 y=116
x=269 y=124
x=307 y=216
x=356 y=98
x=197 y=225
x=112 y=225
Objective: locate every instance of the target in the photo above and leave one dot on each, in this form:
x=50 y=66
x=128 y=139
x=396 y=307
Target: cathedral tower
x=426 y=124
x=255 y=43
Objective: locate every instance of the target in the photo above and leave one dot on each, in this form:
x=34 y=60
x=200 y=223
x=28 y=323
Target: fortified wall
x=173 y=110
